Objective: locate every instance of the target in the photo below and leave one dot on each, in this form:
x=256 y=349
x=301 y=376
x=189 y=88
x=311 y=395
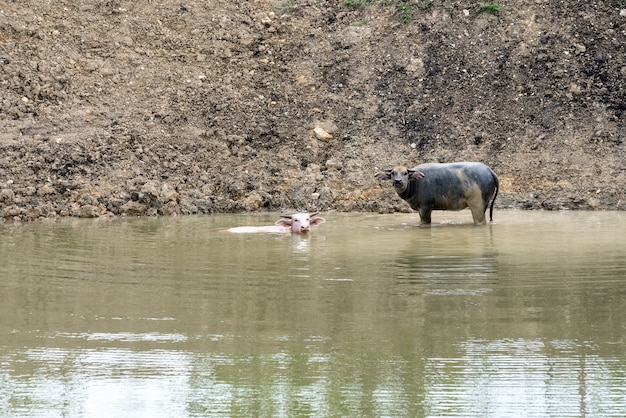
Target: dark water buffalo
x=452 y=186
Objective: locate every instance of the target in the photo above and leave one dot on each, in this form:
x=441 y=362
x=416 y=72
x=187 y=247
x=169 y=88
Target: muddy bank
x=117 y=108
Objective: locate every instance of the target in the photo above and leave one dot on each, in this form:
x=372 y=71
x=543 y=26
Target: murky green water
x=370 y=315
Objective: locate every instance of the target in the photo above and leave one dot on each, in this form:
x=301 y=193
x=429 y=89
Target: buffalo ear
x=317 y=221
x=283 y=222
x=384 y=175
x=414 y=174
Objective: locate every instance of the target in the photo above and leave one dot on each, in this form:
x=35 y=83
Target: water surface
x=368 y=315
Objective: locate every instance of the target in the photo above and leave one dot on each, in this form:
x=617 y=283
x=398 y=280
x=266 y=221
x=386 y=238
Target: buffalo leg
x=478 y=213
x=425 y=215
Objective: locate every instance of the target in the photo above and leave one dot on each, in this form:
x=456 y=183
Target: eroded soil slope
x=177 y=107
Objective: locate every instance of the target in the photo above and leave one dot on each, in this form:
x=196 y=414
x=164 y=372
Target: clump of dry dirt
x=166 y=107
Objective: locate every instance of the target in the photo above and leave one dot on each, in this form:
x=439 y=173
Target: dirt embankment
x=158 y=108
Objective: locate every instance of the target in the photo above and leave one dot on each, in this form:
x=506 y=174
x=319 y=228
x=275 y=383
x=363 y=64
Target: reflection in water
x=553 y=378
x=447 y=269
x=367 y=315
x=125 y=337
x=488 y=378
x=466 y=264
x=300 y=260
x=120 y=381
x=301 y=246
